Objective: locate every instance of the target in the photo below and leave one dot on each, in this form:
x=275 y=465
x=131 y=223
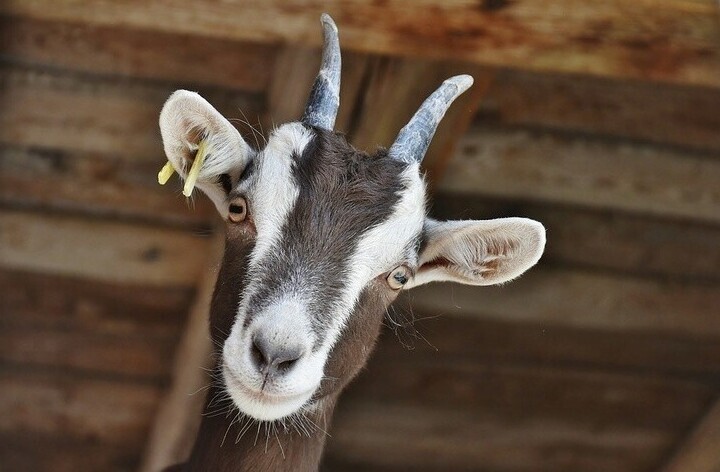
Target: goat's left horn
x=324 y=101
x=414 y=139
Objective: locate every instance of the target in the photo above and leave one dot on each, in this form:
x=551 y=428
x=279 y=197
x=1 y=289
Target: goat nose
x=274 y=358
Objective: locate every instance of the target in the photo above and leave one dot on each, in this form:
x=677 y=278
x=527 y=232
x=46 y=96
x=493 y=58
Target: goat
x=320 y=239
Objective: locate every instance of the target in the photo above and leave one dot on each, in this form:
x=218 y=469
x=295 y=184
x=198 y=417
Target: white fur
x=480 y=252
x=187 y=112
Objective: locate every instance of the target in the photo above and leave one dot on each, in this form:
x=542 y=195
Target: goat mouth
x=234 y=386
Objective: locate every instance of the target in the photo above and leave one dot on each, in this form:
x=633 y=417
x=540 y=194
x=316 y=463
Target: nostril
x=286 y=365
x=257 y=354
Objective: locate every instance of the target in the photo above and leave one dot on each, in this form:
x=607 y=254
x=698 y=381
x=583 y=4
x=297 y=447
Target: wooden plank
x=605 y=240
x=178 y=418
x=147 y=54
x=451 y=412
x=90 y=114
x=699 y=452
x=660 y=113
x=581 y=299
x=423 y=336
x=137 y=358
x=659 y=40
x=578 y=170
x=294 y=72
x=100 y=185
x=101 y=411
x=435 y=438
x=47 y=453
x=406 y=84
x=115 y=252
x=31 y=301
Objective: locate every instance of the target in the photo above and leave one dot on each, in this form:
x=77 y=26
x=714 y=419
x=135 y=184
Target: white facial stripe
x=275 y=191
x=381 y=249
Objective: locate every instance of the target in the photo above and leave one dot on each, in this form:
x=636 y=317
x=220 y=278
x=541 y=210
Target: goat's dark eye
x=237 y=210
x=398 y=277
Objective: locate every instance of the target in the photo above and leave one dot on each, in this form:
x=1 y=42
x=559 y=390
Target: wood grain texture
x=19 y=451
x=103 y=411
x=581 y=299
x=59 y=110
x=699 y=452
x=451 y=412
x=659 y=113
x=178 y=417
x=98 y=185
x=674 y=41
x=114 y=252
x=132 y=52
x=597 y=173
x=605 y=240
x=395 y=89
x=32 y=301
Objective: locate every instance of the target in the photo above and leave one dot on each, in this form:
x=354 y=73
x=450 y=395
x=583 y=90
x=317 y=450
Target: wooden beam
x=660 y=113
x=179 y=415
x=36 y=301
x=107 y=411
x=116 y=252
x=405 y=84
x=699 y=452
x=642 y=40
x=59 y=110
x=598 y=173
x=173 y=58
x=450 y=412
x=96 y=184
x=605 y=240
x=589 y=301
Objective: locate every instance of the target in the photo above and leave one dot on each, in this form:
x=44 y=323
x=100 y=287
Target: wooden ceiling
x=600 y=119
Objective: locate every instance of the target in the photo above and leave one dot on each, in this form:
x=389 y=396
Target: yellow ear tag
x=165 y=173
x=195 y=169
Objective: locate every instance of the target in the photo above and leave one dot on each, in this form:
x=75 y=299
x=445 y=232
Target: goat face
x=321 y=238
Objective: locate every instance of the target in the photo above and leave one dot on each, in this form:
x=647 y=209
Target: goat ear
x=479 y=252
x=185 y=120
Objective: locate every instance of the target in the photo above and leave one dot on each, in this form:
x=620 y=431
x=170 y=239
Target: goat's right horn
x=414 y=139
x=324 y=101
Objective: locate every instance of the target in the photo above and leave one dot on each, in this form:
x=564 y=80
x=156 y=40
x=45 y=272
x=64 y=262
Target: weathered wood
x=115 y=252
x=612 y=38
x=661 y=113
x=451 y=413
x=583 y=171
x=91 y=114
x=178 y=418
x=395 y=90
x=557 y=297
x=147 y=54
x=49 y=453
x=31 y=301
x=103 y=411
x=424 y=337
x=294 y=72
x=98 y=185
x=146 y=358
x=699 y=452
x=606 y=240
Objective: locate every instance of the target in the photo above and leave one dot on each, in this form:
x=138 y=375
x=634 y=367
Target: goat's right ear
x=187 y=119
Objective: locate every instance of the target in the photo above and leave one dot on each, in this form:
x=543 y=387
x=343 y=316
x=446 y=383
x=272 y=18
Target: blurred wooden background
x=600 y=119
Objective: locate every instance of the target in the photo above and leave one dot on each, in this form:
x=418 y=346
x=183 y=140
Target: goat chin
x=263 y=406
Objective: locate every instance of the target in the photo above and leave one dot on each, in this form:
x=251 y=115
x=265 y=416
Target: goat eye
x=237 y=210
x=398 y=277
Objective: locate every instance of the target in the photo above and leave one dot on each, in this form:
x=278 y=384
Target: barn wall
x=602 y=126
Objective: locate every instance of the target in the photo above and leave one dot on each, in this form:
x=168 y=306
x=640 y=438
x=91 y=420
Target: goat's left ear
x=479 y=252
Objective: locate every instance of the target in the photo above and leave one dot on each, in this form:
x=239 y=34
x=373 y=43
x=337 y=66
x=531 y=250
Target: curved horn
x=414 y=139
x=324 y=101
